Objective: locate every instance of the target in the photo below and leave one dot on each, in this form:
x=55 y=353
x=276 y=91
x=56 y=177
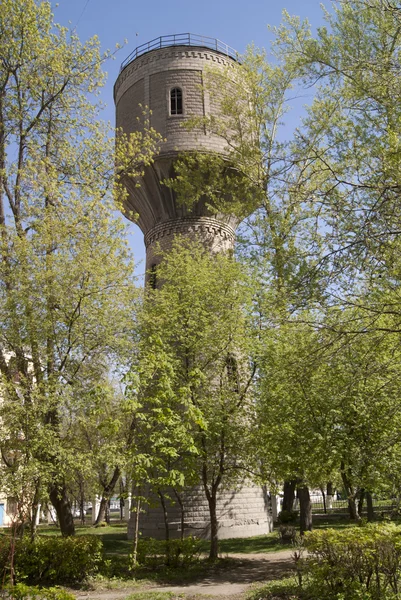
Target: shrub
x=357 y=563
x=52 y=560
x=287 y=516
x=27 y=592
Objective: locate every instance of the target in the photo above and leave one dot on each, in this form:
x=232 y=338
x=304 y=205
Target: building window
x=176 y=101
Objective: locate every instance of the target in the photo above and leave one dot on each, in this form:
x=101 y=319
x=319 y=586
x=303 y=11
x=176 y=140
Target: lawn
x=114 y=538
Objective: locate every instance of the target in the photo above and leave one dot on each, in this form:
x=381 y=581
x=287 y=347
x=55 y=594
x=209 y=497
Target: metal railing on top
x=181 y=39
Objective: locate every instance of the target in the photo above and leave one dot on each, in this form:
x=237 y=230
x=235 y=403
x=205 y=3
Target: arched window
x=176 y=101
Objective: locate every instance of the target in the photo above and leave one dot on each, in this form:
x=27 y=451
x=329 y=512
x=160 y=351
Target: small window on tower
x=176 y=101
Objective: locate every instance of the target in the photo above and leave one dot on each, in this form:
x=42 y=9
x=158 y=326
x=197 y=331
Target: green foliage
x=20 y=591
x=287 y=589
x=191 y=384
x=359 y=562
x=53 y=560
x=287 y=516
x=66 y=275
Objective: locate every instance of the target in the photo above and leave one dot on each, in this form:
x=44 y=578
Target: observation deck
x=181 y=39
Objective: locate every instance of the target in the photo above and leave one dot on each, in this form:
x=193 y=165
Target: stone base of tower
x=242 y=513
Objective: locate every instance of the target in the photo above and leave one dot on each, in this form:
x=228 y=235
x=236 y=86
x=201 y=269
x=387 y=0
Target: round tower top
x=181 y=39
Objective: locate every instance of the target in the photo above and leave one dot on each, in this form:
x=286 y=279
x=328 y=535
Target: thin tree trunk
x=369 y=503
x=165 y=515
x=214 y=528
x=166 y=527
x=121 y=500
x=351 y=495
x=360 y=501
x=289 y=495
x=136 y=530
x=35 y=509
x=329 y=495
x=182 y=511
x=305 y=509
x=324 y=501
x=59 y=499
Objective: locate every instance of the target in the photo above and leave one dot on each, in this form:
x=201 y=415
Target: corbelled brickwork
x=215 y=235
x=148 y=81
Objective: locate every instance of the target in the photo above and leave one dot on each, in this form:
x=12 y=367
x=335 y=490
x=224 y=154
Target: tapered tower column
x=167 y=76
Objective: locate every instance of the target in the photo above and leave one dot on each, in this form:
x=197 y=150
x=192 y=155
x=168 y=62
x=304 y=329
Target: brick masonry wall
x=241 y=513
x=148 y=80
x=160 y=71
x=216 y=235
x=129 y=109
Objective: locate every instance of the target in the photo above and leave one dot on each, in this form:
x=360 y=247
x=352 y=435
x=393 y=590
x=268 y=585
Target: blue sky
x=233 y=22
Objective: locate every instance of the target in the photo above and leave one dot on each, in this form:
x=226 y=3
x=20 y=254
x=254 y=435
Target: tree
x=66 y=289
x=101 y=432
x=351 y=133
x=194 y=373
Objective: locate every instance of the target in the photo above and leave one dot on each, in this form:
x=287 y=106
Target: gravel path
x=227 y=584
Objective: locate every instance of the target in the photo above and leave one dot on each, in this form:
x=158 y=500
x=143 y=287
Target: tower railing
x=181 y=39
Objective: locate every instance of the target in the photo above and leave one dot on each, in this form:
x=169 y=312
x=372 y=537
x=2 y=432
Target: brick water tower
x=167 y=75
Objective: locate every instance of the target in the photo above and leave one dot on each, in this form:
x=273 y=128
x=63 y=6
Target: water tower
x=167 y=75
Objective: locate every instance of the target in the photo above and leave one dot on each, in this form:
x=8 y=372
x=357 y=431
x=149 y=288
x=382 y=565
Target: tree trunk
x=34 y=512
x=360 y=502
x=182 y=511
x=101 y=515
x=166 y=527
x=165 y=515
x=214 y=528
x=329 y=495
x=289 y=495
x=351 y=495
x=82 y=510
x=353 y=509
x=369 y=503
x=59 y=499
x=324 y=500
x=136 y=530
x=108 y=490
x=305 y=508
x=122 y=507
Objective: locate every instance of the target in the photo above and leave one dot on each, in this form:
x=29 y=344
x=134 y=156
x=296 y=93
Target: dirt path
x=227 y=584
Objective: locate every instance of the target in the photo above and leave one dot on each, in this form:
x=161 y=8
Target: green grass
x=252 y=545
x=114 y=538
x=284 y=589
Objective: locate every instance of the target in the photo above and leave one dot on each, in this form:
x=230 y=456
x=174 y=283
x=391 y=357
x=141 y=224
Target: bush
x=27 y=592
x=52 y=560
x=359 y=563
x=287 y=516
